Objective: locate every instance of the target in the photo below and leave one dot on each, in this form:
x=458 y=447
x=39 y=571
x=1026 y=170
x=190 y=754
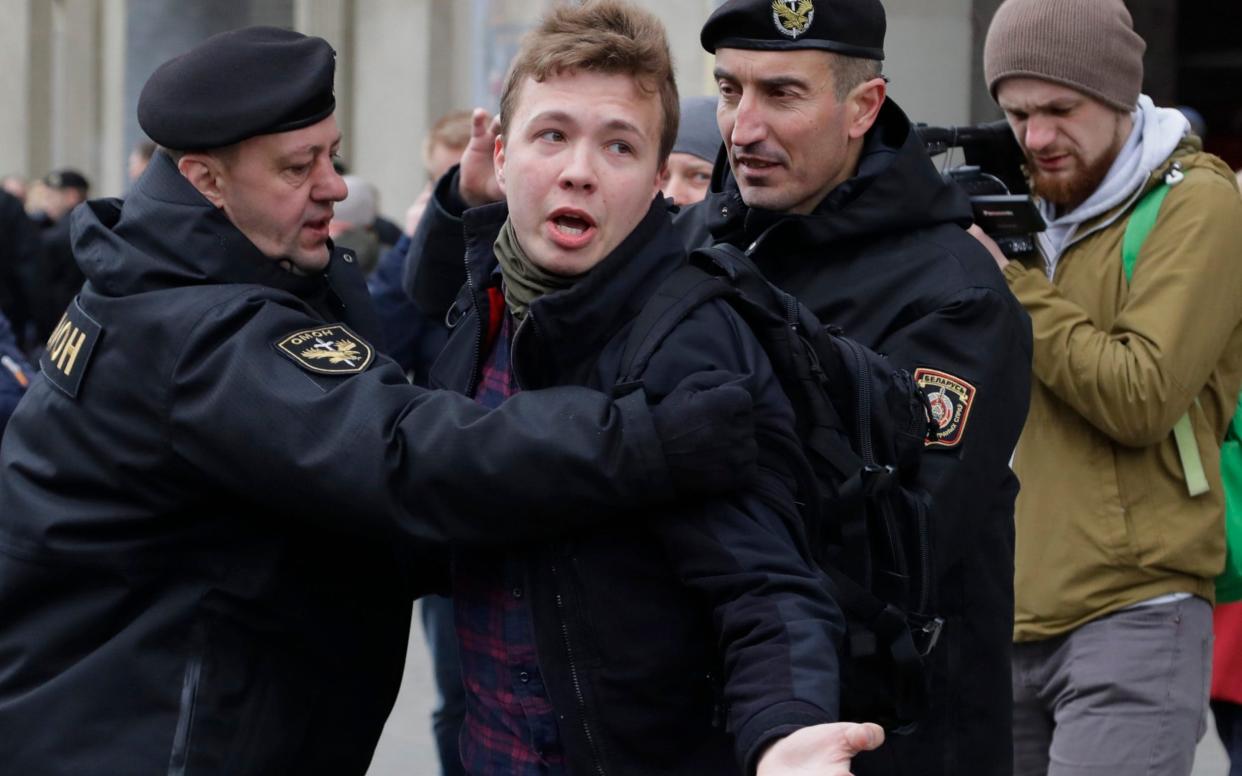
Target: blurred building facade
x=71 y=70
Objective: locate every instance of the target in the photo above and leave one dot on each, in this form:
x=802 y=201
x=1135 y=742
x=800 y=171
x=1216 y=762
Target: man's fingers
x=480 y=121
x=864 y=737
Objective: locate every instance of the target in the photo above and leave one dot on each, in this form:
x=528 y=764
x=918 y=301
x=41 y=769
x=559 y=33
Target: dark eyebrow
x=621 y=125
x=312 y=149
x=770 y=83
x=552 y=115
x=783 y=81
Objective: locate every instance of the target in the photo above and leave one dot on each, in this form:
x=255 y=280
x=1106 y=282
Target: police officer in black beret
x=218 y=498
x=826 y=186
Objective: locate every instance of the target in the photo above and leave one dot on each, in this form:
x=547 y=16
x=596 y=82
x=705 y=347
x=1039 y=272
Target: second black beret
x=236 y=85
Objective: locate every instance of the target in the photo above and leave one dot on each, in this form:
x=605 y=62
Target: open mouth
x=570 y=228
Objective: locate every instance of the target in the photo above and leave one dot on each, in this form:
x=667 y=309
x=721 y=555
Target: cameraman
x=1116 y=550
x=830 y=187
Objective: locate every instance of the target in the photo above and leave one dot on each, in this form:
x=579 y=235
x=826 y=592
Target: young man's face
x=1070 y=140
x=686 y=178
x=579 y=165
x=279 y=190
x=786 y=132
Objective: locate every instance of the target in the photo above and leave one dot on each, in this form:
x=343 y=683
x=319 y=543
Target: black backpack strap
x=685 y=289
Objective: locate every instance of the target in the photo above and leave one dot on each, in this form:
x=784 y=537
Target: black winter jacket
x=886 y=257
x=208 y=549
x=644 y=631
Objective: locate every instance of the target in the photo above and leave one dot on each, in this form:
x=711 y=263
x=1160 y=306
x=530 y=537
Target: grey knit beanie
x=698 y=134
x=1088 y=45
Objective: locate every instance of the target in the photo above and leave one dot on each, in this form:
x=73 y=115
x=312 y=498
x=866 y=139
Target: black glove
x=707 y=428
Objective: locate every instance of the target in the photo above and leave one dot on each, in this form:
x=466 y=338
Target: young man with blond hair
x=699 y=639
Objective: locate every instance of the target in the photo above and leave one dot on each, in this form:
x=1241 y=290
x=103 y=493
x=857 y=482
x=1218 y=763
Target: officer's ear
x=863 y=104
x=204 y=171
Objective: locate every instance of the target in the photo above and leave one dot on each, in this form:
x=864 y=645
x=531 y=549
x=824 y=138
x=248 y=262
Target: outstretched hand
x=987 y=242
x=820 y=750
x=476 y=179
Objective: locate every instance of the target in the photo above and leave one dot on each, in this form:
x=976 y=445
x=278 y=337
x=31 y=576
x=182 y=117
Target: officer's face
x=789 y=137
x=686 y=178
x=1070 y=140
x=579 y=165
x=279 y=191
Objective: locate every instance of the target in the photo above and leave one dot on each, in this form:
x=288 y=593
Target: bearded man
x=1136 y=375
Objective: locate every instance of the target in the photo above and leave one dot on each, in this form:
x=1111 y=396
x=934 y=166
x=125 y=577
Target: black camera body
x=992 y=176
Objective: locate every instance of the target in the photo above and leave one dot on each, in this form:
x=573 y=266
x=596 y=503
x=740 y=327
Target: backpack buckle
x=927 y=635
x=877 y=478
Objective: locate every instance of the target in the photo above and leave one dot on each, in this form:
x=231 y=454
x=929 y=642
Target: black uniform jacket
x=638 y=627
x=887 y=258
x=207 y=547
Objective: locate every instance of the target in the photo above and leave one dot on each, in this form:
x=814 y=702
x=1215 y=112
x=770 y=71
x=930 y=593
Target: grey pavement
x=407 y=748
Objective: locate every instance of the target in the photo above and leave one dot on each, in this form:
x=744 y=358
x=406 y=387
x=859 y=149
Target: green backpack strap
x=1137 y=228
x=1140 y=225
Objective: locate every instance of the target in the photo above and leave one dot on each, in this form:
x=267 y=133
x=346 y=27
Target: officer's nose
x=331 y=186
x=749 y=126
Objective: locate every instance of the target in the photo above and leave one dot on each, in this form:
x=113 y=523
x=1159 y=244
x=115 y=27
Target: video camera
x=992 y=176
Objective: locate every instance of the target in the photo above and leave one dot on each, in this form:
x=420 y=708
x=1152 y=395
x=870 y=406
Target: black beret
x=238 y=84
x=854 y=28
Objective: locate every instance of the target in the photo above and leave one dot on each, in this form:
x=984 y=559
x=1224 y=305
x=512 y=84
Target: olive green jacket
x=1104 y=519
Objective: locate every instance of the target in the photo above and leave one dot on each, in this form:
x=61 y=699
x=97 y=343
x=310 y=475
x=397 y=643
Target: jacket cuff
x=775 y=722
x=642 y=440
x=447 y=195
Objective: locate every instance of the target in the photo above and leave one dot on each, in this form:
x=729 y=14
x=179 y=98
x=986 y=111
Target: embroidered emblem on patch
x=793 y=17
x=327 y=350
x=949 y=398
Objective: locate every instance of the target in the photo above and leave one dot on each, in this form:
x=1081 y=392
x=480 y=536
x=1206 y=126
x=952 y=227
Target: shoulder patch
x=327 y=350
x=950 y=399
x=69 y=349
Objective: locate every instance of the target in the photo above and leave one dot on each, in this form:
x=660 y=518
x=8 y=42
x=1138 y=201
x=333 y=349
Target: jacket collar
x=568 y=328
x=166 y=234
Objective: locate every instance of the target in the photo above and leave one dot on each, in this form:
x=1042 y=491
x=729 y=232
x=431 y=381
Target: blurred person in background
x=441 y=150
x=689 y=171
x=353 y=223
x=20 y=248
x=15 y=373
x=57 y=277
x=14 y=185
x=138 y=159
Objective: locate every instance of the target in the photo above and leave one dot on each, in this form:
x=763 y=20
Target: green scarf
x=524 y=282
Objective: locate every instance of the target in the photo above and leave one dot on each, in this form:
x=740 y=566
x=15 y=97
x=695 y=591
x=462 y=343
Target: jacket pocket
x=246 y=701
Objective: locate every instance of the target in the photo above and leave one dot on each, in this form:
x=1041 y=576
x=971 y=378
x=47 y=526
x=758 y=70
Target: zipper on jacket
x=864 y=404
x=472 y=383
x=574 y=677
x=925 y=559
x=185 y=717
